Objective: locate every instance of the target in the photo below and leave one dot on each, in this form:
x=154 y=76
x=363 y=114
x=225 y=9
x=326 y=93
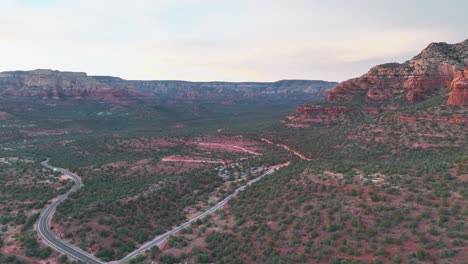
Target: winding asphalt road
x=43 y=224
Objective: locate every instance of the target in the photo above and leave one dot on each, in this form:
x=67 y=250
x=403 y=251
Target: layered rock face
x=438 y=119
x=184 y=90
x=439 y=66
x=440 y=69
x=459 y=86
x=57 y=85
x=48 y=84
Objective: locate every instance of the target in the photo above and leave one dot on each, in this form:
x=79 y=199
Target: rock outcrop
x=334 y=110
x=440 y=69
x=58 y=85
x=48 y=84
x=460 y=120
x=459 y=86
x=439 y=66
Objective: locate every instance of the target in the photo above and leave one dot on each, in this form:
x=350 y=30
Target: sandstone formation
x=459 y=86
x=460 y=120
x=48 y=84
x=58 y=85
x=440 y=69
x=439 y=66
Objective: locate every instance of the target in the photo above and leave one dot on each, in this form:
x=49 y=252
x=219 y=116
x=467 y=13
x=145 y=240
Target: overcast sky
x=232 y=40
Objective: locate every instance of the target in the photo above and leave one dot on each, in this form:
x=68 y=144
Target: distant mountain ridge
x=60 y=85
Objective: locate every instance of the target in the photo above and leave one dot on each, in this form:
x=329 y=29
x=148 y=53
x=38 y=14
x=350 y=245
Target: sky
x=223 y=40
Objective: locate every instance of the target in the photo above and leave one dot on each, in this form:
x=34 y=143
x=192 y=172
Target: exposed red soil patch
x=429 y=145
x=266 y=140
x=43 y=132
x=292 y=125
x=119 y=108
x=227 y=144
x=225 y=147
x=179 y=126
x=462 y=178
x=191 y=159
x=14 y=248
x=5 y=116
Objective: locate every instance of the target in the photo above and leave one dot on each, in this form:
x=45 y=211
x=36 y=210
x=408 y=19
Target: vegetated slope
x=146 y=195
x=48 y=84
x=387 y=183
x=25 y=188
x=132 y=192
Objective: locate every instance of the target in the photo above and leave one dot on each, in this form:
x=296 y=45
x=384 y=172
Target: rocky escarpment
x=48 y=84
x=303 y=116
x=438 y=119
x=439 y=74
x=459 y=86
x=58 y=85
x=439 y=66
x=184 y=90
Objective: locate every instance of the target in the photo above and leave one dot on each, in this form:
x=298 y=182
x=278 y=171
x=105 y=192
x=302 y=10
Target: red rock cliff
x=55 y=84
x=459 y=86
x=439 y=66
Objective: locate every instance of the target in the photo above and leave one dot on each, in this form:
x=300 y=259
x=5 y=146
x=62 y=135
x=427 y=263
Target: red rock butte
x=439 y=66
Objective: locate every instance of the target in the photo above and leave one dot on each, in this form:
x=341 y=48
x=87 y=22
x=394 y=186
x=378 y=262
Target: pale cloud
x=222 y=40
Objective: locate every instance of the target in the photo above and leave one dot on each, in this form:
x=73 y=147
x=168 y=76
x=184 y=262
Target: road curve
x=43 y=224
x=161 y=238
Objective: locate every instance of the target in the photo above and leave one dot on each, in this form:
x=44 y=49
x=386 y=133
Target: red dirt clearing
x=176 y=158
x=4 y=116
x=226 y=147
x=236 y=144
x=43 y=132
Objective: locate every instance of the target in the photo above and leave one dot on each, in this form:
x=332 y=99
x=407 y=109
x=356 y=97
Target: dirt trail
x=229 y=146
x=300 y=155
x=185 y=159
x=295 y=152
x=266 y=140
